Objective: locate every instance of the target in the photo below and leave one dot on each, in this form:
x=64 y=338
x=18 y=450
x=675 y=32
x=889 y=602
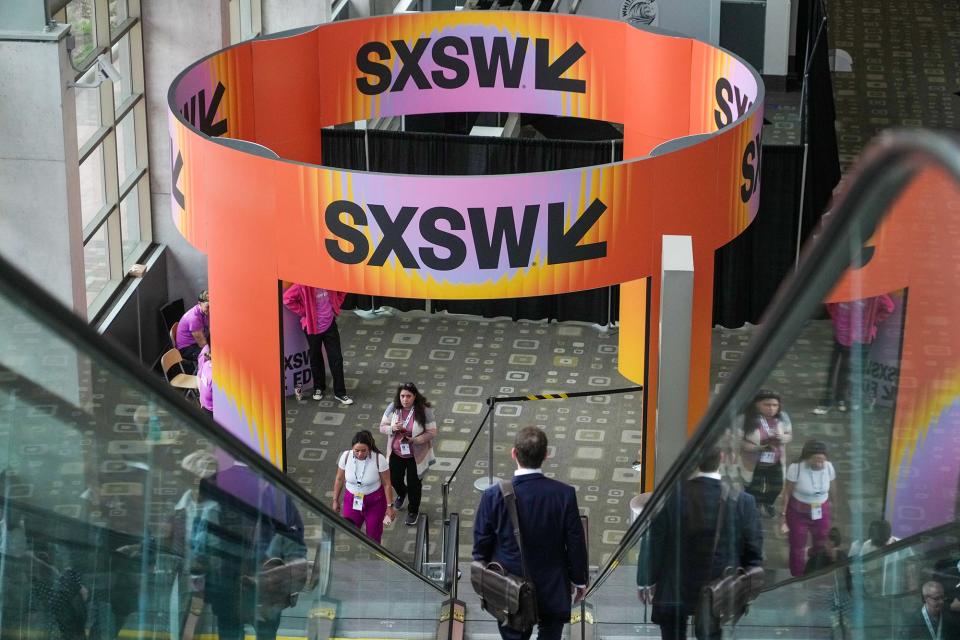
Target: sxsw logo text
x=449 y=250
x=450 y=54
x=732 y=103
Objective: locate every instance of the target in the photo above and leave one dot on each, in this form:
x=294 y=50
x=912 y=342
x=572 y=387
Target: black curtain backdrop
x=820 y=134
x=748 y=270
x=446 y=154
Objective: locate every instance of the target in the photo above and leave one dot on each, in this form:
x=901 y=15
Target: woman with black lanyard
x=409 y=425
x=368 y=496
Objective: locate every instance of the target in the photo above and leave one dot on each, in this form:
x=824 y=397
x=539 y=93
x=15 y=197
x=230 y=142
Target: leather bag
x=725 y=600
x=511 y=599
x=278 y=583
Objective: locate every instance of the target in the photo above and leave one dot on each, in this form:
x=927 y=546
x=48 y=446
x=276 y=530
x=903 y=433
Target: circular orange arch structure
x=263 y=219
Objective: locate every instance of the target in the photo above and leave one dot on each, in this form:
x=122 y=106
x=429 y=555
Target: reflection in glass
x=118 y=13
x=130 y=222
x=867 y=514
x=92 y=196
x=124 y=518
x=126 y=147
x=88 y=108
x=96 y=263
x=80 y=16
x=120 y=55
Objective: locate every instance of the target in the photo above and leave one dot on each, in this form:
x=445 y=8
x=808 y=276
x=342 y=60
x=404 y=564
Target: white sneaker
x=344 y=399
x=821 y=410
x=318 y=394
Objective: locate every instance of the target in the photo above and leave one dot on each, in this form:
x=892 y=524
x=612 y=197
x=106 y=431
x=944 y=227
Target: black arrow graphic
x=565 y=247
x=175 y=171
x=548 y=75
x=208 y=113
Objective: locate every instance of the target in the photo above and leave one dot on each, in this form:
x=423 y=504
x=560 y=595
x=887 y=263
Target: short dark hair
x=812 y=448
x=879 y=532
x=834 y=536
x=710 y=460
x=531 y=447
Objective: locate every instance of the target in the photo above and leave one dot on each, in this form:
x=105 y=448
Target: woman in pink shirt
x=855 y=325
x=318 y=310
x=205 y=379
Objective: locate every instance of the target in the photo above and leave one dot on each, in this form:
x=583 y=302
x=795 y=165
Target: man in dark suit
x=931 y=621
x=553 y=540
x=681 y=558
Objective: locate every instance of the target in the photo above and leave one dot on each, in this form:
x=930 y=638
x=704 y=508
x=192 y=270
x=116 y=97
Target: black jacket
x=679 y=556
x=556 y=551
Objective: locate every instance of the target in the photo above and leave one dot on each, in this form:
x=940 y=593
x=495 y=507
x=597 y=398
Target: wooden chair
x=173 y=334
x=172 y=360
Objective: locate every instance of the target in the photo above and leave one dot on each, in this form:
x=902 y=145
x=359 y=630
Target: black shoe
x=769 y=510
x=411 y=519
x=398 y=502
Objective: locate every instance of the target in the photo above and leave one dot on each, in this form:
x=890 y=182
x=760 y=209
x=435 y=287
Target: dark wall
x=120 y=326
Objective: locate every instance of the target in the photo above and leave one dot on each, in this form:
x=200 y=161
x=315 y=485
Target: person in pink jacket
x=318 y=310
x=855 y=325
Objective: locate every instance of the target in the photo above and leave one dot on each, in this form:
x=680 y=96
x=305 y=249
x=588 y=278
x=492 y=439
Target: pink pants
x=374 y=508
x=800 y=523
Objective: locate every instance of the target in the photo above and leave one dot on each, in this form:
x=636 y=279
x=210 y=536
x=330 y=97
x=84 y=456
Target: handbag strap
x=724 y=494
x=510 y=498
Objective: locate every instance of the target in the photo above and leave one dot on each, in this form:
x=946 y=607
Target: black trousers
x=329 y=340
x=767 y=483
x=549 y=629
x=675 y=628
x=405 y=481
x=847 y=366
x=190 y=353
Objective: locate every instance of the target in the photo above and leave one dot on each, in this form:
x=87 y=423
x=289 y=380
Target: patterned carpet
x=459 y=362
x=906 y=68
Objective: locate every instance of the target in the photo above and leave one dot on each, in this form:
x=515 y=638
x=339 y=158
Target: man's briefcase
x=725 y=600
x=511 y=599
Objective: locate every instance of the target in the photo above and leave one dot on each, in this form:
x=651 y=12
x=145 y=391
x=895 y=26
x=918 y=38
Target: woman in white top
x=889 y=575
x=809 y=484
x=368 y=495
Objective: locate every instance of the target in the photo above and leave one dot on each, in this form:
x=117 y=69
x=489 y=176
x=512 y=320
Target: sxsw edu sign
x=451 y=54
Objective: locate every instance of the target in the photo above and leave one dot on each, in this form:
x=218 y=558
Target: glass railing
x=840 y=425
x=128 y=513
x=877 y=594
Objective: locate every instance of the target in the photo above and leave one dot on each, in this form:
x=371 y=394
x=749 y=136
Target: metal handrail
x=452 y=559
x=492 y=402
x=421 y=548
x=887 y=168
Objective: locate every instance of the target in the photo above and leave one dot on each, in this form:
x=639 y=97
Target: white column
x=40 y=221
x=281 y=15
x=776 y=42
x=676 y=323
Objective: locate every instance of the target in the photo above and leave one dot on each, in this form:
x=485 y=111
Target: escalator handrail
x=421 y=545
x=39 y=304
x=452 y=559
x=888 y=166
x=888 y=550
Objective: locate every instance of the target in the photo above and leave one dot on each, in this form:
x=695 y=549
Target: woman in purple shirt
x=193 y=332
